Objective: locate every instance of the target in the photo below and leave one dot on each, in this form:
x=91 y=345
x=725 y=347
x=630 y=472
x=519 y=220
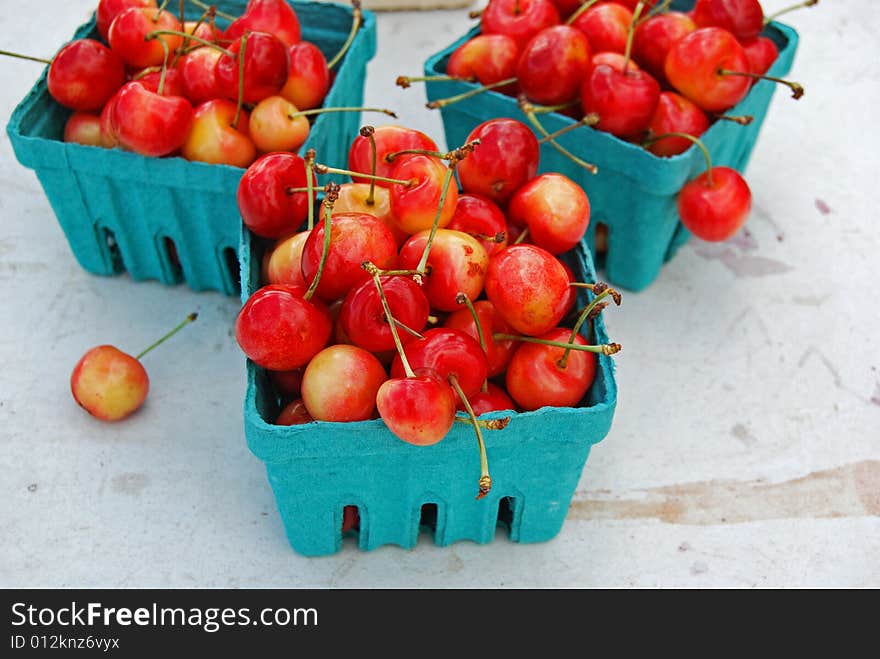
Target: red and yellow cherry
x=278 y=329
x=308 y=79
x=276 y=126
x=266 y=64
x=362 y=317
x=108 y=131
x=375 y=200
x=84 y=74
x=655 y=36
x=198 y=72
x=694 y=64
x=419 y=409
x=535 y=378
x=555 y=209
x=414 y=207
x=203 y=30
x=518 y=19
x=267 y=198
x=498 y=352
x=273 y=16
x=761 y=52
x=486 y=58
x=553 y=64
x=616 y=61
x=529 y=288
x=214 y=139
x=481 y=218
x=148 y=123
x=715 y=205
x=624 y=100
x=457 y=263
x=606 y=26
x=506 y=158
x=340 y=383
x=284 y=262
x=742 y=18
x=494 y=399
x=389 y=140
x=108 y=10
x=354 y=238
x=130 y=36
x=84 y=128
x=675 y=114
x=293 y=414
x=171 y=83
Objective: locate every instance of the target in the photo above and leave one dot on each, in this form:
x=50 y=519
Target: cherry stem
x=374 y=273
x=190 y=318
x=182 y=12
x=447 y=179
x=306 y=113
x=331 y=194
x=184 y=48
x=657 y=9
x=309 y=159
x=396 y=273
x=324 y=169
x=630 y=34
x=528 y=109
x=476 y=13
x=356 y=23
x=159 y=10
x=155 y=34
x=656 y=138
x=546 y=109
x=498 y=238
x=520 y=239
x=580 y=10
x=743 y=120
x=161 y=88
x=9 y=53
x=588 y=120
x=443 y=102
x=244 y=39
x=485 y=479
x=605 y=349
x=406 y=81
x=409 y=330
x=369 y=133
x=584 y=315
x=599 y=288
x=772 y=17
x=461 y=298
x=487 y=424
x=796 y=88
x=206 y=6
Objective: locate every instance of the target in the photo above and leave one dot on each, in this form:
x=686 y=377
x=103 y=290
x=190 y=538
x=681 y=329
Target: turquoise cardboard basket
x=170 y=219
x=634 y=192
x=317 y=469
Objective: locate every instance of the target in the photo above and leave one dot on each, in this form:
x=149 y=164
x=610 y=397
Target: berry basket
x=170 y=219
x=319 y=468
x=634 y=192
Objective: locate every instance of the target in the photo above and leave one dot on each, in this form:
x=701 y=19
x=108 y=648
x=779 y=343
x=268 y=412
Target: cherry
x=110 y=384
x=624 y=102
x=555 y=209
x=340 y=383
x=518 y=19
x=655 y=36
x=272 y=16
x=481 y=218
x=388 y=139
x=268 y=201
x=694 y=64
x=506 y=158
x=494 y=399
x=294 y=413
x=276 y=126
x=288 y=384
x=457 y=263
x=529 y=288
x=198 y=72
x=148 y=123
x=742 y=18
x=486 y=58
x=362 y=316
x=164 y=81
x=84 y=74
x=214 y=137
x=132 y=36
x=553 y=64
x=84 y=128
x=265 y=62
x=675 y=114
x=419 y=409
x=761 y=52
x=108 y=10
x=417 y=205
x=606 y=26
x=308 y=79
x=481 y=321
x=284 y=263
x=616 y=61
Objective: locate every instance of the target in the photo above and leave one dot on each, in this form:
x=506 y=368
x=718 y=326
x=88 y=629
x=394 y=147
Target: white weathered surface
x=746 y=447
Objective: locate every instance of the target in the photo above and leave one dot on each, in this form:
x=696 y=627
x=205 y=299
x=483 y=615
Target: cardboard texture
x=634 y=192
x=119 y=209
x=317 y=469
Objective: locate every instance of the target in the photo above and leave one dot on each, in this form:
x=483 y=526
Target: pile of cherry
x=406 y=298
x=633 y=68
x=160 y=85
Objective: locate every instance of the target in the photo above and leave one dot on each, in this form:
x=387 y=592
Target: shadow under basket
x=169 y=219
x=318 y=469
x=634 y=193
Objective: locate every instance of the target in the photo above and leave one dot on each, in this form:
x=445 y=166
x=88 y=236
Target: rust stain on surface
x=848 y=491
